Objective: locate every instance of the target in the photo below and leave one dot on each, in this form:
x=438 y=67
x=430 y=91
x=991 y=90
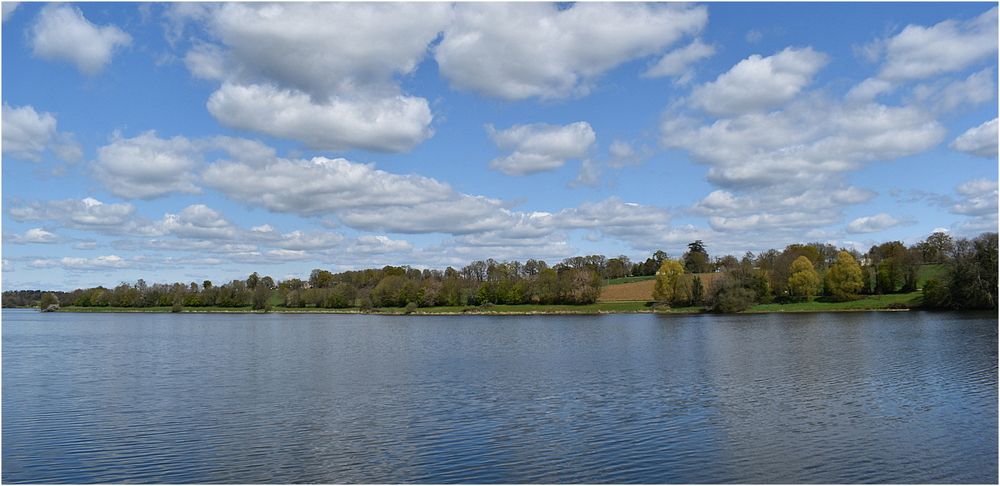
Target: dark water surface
x=835 y=398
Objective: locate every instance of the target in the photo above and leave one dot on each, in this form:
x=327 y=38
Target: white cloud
x=869 y=89
x=320 y=185
x=105 y=262
x=872 y=224
x=301 y=241
x=326 y=48
x=540 y=147
x=8 y=266
x=949 y=95
x=979 y=198
x=86 y=214
x=62 y=33
x=677 y=63
x=147 y=166
x=804 y=143
x=623 y=154
x=459 y=214
x=589 y=175
x=197 y=221
x=516 y=51
x=978 y=201
x=920 y=52
x=325 y=74
x=7 y=9
x=388 y=123
x=379 y=244
x=34 y=235
x=758 y=83
x=980 y=141
x=27 y=134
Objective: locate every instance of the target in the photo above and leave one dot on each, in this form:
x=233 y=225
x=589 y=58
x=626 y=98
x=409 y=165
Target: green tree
x=696 y=258
x=319 y=279
x=48 y=302
x=727 y=295
x=843 y=279
x=803 y=280
x=261 y=298
x=666 y=280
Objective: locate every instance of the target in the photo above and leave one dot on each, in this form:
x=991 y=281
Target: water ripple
x=860 y=398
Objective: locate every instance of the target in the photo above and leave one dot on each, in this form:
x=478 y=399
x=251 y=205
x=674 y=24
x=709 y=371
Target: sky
x=191 y=141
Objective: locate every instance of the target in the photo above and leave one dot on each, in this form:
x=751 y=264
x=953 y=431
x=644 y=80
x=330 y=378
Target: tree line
x=966 y=276
x=967 y=279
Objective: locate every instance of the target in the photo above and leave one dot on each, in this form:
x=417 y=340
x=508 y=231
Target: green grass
x=873 y=302
x=625 y=280
x=929 y=271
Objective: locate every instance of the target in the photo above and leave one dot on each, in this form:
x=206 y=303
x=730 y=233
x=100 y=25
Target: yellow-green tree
x=666 y=280
x=843 y=279
x=803 y=280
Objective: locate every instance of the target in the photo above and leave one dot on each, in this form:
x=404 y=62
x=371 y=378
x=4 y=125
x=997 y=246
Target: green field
x=873 y=302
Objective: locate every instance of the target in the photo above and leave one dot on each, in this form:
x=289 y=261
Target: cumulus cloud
x=980 y=141
x=784 y=171
x=301 y=241
x=540 y=147
x=516 y=51
x=320 y=185
x=872 y=224
x=978 y=201
x=808 y=140
x=952 y=45
x=197 y=221
x=388 y=123
x=677 y=63
x=27 y=134
x=459 y=214
x=325 y=74
x=85 y=214
x=146 y=166
x=979 y=197
x=62 y=33
x=758 y=83
x=106 y=262
x=949 y=95
x=34 y=235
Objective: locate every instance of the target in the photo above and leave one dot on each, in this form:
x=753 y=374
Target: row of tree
x=966 y=269
x=967 y=279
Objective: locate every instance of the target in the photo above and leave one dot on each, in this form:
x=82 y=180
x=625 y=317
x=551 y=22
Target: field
x=641 y=288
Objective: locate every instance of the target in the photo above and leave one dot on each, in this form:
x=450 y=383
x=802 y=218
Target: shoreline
x=485 y=312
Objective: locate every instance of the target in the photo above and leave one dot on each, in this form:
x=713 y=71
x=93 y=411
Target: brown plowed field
x=643 y=290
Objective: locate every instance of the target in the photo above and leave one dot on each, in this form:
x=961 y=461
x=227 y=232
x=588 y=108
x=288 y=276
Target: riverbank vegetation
x=938 y=272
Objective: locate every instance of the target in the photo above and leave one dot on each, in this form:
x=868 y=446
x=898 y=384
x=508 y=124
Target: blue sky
x=183 y=142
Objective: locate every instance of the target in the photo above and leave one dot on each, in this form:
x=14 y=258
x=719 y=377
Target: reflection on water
x=854 y=397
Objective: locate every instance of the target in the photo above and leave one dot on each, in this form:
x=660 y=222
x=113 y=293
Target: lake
x=900 y=397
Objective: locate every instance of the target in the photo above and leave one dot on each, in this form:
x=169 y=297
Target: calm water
x=858 y=397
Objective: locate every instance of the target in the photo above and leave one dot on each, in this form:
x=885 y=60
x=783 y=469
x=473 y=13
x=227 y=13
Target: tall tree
x=843 y=279
x=803 y=280
x=666 y=281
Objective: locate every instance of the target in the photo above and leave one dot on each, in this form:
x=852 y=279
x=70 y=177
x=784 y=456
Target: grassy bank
x=880 y=302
